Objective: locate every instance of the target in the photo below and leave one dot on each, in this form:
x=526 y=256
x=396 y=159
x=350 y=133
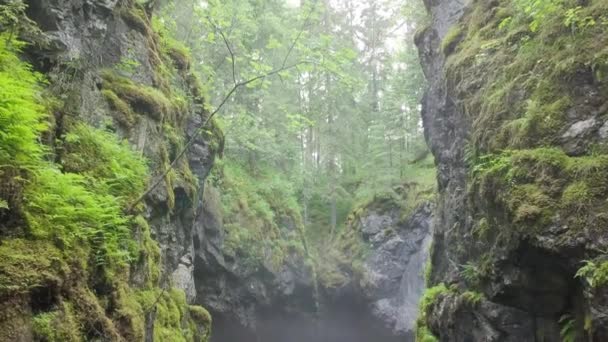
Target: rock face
x=393 y=276
x=90 y=36
x=377 y=302
x=509 y=133
x=88 y=45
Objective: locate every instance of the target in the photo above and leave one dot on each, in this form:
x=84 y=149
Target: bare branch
x=230 y=51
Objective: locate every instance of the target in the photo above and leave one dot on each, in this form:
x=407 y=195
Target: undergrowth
x=261 y=214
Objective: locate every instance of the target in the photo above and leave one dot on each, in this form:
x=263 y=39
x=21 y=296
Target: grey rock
x=183 y=277
x=603 y=132
x=394 y=269
x=580 y=128
x=531 y=281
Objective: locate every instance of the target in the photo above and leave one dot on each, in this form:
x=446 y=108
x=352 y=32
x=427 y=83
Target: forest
x=303 y=170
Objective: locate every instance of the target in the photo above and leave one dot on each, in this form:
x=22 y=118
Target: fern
x=21 y=114
x=568 y=328
x=470 y=272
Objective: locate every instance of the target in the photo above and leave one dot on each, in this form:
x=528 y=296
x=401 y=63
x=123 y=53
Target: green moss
x=423 y=334
x=428 y=271
x=482 y=228
x=149 y=253
x=429 y=297
x=529 y=203
x=93 y=317
x=254 y=207
x=124 y=113
x=136 y=17
x=181 y=57
x=142 y=99
x=577 y=195
x=451 y=39
x=200 y=314
x=57 y=326
x=176 y=321
x=525 y=70
x=200 y=322
x=79 y=237
x=538 y=186
x=471 y=273
x=472 y=298
x=170 y=177
x=215 y=136
x=129 y=313
x=27 y=264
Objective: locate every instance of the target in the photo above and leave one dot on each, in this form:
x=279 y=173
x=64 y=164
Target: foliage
x=76 y=235
x=98 y=154
x=470 y=272
x=472 y=298
x=58 y=325
x=14 y=20
x=87 y=206
x=539 y=10
x=429 y=297
x=319 y=141
x=21 y=114
x=595 y=273
x=567 y=328
x=261 y=213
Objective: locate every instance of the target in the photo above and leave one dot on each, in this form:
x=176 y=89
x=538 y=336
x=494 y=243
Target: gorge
x=295 y=171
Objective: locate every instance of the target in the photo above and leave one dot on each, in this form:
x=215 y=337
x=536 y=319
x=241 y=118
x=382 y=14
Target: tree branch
x=201 y=127
x=236 y=86
x=230 y=51
x=293 y=44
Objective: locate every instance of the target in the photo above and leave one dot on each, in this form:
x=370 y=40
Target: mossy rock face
x=57 y=325
x=142 y=99
x=519 y=80
x=79 y=264
x=15 y=318
x=516 y=119
x=26 y=265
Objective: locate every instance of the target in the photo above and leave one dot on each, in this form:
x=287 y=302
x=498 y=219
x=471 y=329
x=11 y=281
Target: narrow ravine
x=303 y=170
